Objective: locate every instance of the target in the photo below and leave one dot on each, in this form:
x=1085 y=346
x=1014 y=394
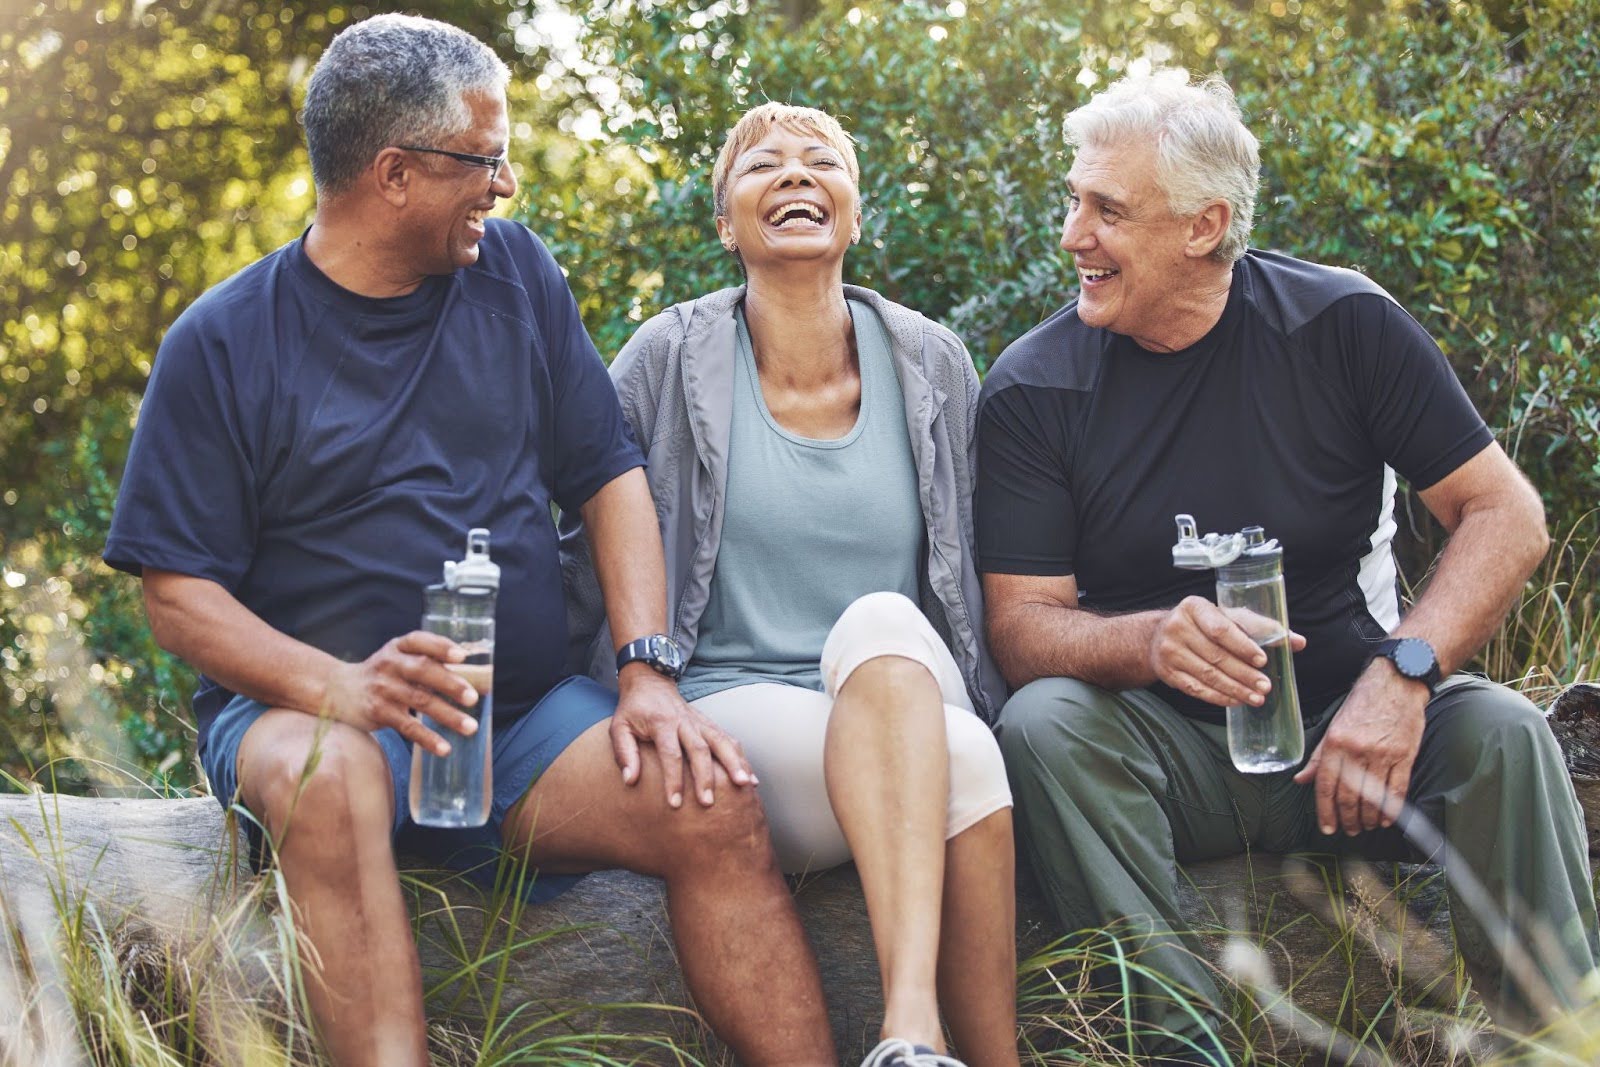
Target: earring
x=732 y=246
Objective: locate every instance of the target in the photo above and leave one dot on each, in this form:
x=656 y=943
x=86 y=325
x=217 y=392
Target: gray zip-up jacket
x=675 y=380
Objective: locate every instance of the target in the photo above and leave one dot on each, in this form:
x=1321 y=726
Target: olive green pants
x=1113 y=790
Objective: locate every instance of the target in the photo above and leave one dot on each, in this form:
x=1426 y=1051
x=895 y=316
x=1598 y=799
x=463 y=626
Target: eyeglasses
x=490 y=163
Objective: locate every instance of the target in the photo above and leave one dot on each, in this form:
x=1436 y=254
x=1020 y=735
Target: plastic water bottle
x=454 y=790
x=1250 y=591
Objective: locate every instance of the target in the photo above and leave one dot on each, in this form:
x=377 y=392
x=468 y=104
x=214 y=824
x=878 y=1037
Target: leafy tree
x=147 y=151
x=148 y=148
x=1448 y=150
x=134 y=176
x=1455 y=163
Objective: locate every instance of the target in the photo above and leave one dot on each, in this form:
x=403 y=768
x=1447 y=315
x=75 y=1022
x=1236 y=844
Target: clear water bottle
x=1250 y=591
x=454 y=790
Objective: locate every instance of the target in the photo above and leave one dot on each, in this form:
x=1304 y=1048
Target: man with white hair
x=1192 y=374
x=319 y=433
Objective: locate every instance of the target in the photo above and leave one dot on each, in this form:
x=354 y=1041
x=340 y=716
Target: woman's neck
x=800 y=329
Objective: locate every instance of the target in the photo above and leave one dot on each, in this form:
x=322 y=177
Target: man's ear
x=1208 y=228
x=391 y=175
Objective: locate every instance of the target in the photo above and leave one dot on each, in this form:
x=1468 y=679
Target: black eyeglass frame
x=490 y=163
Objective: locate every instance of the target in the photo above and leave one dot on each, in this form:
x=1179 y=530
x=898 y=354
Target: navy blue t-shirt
x=320 y=454
x=1296 y=412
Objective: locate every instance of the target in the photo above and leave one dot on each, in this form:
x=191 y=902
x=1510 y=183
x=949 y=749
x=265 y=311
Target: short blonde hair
x=756 y=123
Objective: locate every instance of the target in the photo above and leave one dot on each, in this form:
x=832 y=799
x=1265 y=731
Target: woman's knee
x=879 y=613
x=878 y=626
x=978 y=785
x=901 y=681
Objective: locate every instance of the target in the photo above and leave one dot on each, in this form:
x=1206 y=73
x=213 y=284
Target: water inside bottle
x=452 y=790
x=1267 y=738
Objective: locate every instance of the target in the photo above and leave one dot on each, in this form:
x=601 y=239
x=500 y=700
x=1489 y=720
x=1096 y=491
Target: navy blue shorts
x=522 y=750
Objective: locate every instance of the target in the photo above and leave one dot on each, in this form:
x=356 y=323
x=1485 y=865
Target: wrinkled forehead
x=1123 y=170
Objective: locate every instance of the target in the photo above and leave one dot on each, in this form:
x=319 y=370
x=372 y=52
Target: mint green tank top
x=808 y=526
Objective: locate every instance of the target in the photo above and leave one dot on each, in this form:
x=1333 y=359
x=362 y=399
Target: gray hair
x=391 y=79
x=1203 y=150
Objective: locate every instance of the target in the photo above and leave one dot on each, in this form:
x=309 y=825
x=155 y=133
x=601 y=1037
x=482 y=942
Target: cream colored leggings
x=782 y=728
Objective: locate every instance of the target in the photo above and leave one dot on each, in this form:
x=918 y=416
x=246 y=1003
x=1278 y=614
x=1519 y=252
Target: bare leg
x=323 y=792
x=887 y=764
x=744 y=954
x=977 y=949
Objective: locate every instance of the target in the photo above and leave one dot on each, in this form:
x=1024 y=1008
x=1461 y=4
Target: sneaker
x=895 y=1052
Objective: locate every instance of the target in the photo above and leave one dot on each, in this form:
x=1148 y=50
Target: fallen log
x=167 y=876
x=1575 y=720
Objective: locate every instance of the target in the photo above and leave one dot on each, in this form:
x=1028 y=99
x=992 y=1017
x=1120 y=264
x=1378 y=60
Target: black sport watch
x=1412 y=657
x=658 y=650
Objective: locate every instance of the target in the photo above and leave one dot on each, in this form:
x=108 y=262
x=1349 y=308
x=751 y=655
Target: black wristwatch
x=658 y=650
x=1412 y=657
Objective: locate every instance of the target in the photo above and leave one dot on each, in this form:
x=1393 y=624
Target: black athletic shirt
x=1293 y=413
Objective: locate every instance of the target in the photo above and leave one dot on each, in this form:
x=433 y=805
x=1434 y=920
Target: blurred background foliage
x=147 y=150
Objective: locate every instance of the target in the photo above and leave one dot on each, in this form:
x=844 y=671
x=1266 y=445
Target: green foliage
x=1452 y=157
x=1450 y=151
x=957 y=130
x=147 y=150
x=74 y=647
x=1456 y=165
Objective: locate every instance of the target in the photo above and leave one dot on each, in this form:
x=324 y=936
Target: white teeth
x=796 y=211
x=1094 y=275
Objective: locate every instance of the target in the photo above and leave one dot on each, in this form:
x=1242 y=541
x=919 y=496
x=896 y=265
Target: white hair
x=1203 y=150
x=389 y=80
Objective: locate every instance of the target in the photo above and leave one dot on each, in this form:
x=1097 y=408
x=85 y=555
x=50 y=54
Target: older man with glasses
x=319 y=433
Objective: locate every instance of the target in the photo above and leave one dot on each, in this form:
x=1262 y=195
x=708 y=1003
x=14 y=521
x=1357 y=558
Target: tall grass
x=82 y=986
x=1551 y=639
x=106 y=989
x=227 y=986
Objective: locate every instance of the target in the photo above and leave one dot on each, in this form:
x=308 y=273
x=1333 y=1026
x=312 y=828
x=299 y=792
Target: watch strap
x=659 y=651
x=1389 y=648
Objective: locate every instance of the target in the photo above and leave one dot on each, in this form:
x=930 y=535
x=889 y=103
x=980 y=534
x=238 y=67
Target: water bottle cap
x=477 y=571
x=1263 y=550
x=1196 y=553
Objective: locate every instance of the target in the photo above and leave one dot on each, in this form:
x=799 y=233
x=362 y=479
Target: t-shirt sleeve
x=1420 y=419
x=187 y=501
x=1024 y=510
x=593 y=441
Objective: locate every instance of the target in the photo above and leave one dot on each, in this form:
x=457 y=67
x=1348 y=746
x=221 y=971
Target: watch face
x=667 y=651
x=1413 y=658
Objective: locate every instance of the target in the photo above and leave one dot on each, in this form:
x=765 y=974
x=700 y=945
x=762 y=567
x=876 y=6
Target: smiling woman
x=842 y=644
x=792 y=171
